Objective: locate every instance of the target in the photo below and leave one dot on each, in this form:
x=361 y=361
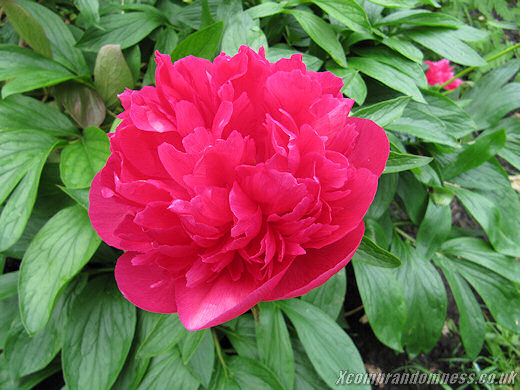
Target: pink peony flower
x=440 y=72
x=234 y=182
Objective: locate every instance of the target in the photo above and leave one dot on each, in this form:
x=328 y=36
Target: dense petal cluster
x=439 y=72
x=234 y=182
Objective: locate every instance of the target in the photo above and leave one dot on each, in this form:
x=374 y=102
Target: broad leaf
x=166 y=333
x=89 y=9
x=98 y=340
x=274 y=344
x=203 y=359
x=330 y=295
x=405 y=48
x=347 y=12
x=203 y=43
x=8 y=284
x=371 y=253
x=80 y=161
x=82 y=103
x=398 y=162
x=384 y=113
x=434 y=229
x=242 y=30
x=57 y=253
x=328 y=347
x=190 y=344
x=251 y=374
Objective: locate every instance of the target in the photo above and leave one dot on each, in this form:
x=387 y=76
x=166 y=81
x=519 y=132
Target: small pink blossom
x=233 y=182
x=440 y=72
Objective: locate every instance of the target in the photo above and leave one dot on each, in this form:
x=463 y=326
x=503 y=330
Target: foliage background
x=443 y=231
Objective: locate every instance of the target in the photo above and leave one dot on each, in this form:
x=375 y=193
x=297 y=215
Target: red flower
x=440 y=72
x=234 y=182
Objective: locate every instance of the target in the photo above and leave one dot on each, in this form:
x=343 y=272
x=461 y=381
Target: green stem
x=219 y=352
x=488 y=60
x=404 y=234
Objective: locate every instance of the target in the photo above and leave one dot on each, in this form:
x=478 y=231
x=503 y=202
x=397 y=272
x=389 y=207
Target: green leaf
x=396 y=3
x=371 y=253
x=389 y=57
x=202 y=361
x=60 y=36
x=328 y=347
x=419 y=123
x=498 y=103
x=80 y=195
x=511 y=150
x=190 y=344
x=111 y=74
x=485 y=146
x=434 y=229
x=134 y=368
x=8 y=284
x=27 y=382
x=379 y=291
x=387 y=75
x=353 y=85
x=27 y=70
x=386 y=188
x=166 y=334
x=347 y=12
x=425 y=297
x=242 y=30
x=480 y=252
x=500 y=295
x=8 y=313
x=57 y=253
x=83 y=104
x=398 y=162
x=274 y=344
x=22 y=157
x=488 y=215
x=421 y=18
x=17 y=113
x=124 y=29
x=322 y=33
x=81 y=161
x=166 y=371
x=456 y=120
x=442 y=42
x=471 y=321
x=89 y=9
x=413 y=195
x=221 y=380
x=243 y=337
x=167 y=39
x=330 y=295
x=203 y=43
x=384 y=113
x=98 y=340
x=278 y=52
x=265 y=9
x=251 y=374
x=306 y=377
x=405 y=48
x=27 y=27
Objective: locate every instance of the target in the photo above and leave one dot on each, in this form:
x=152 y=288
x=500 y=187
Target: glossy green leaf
x=347 y=12
x=125 y=29
x=60 y=36
x=274 y=344
x=27 y=27
x=80 y=195
x=328 y=347
x=322 y=33
x=98 y=340
x=485 y=146
x=380 y=291
x=442 y=42
x=89 y=9
x=471 y=321
x=387 y=75
x=330 y=295
x=203 y=359
x=27 y=382
x=511 y=150
x=499 y=103
x=425 y=297
x=80 y=161
x=386 y=188
x=242 y=30
x=57 y=253
x=190 y=344
x=8 y=313
x=488 y=215
x=353 y=85
x=421 y=18
x=500 y=295
x=17 y=112
x=398 y=162
x=167 y=39
x=134 y=368
x=243 y=337
x=384 y=113
x=166 y=333
x=434 y=229
x=405 y=48
x=82 y=103
x=8 y=284
x=203 y=43
x=166 y=371
x=306 y=377
x=251 y=374
x=221 y=380
x=395 y=3
x=371 y=253
x=265 y=9
x=111 y=74
x=22 y=156
x=27 y=70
